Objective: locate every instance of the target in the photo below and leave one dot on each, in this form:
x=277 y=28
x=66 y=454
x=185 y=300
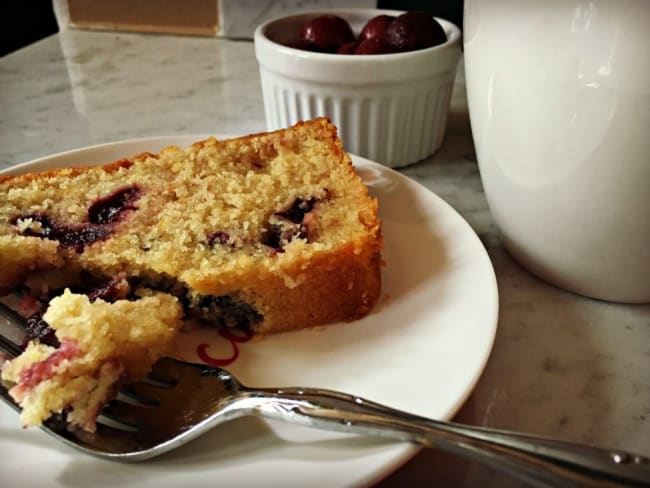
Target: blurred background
x=27 y=21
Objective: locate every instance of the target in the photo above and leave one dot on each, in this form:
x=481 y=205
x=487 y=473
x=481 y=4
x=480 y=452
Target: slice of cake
x=268 y=232
x=101 y=346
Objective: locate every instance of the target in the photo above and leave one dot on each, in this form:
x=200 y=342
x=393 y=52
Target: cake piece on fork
x=100 y=346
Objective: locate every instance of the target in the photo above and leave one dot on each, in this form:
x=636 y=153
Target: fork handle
x=539 y=460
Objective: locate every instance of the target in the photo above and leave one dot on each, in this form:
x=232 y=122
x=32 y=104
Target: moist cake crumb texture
x=278 y=222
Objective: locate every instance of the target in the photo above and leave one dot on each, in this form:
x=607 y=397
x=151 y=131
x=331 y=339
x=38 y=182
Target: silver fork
x=180 y=401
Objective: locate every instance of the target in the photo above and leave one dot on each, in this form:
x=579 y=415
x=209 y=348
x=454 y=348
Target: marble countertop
x=562 y=365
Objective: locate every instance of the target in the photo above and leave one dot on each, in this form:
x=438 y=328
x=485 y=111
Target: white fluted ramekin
x=390 y=108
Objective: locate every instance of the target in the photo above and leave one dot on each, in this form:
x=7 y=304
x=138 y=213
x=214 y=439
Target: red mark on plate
x=234 y=337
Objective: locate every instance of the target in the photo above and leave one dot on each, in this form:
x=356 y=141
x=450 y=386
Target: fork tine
x=11 y=350
x=126 y=414
x=109 y=419
x=127 y=395
x=9 y=347
x=12 y=316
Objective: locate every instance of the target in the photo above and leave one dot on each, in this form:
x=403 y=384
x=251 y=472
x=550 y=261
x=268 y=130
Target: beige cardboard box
x=189 y=17
x=226 y=18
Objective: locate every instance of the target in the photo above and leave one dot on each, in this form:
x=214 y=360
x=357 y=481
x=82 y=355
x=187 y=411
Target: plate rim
x=407 y=451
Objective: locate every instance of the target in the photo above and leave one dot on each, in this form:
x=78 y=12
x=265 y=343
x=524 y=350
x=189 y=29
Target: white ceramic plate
x=422 y=349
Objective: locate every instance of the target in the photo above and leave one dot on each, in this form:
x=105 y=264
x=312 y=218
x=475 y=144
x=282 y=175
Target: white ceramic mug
x=559 y=100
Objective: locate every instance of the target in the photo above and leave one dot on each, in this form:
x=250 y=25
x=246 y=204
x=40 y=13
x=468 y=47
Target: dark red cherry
x=376 y=27
x=76 y=236
x=415 y=30
x=327 y=33
x=347 y=48
x=111 y=208
x=374 y=45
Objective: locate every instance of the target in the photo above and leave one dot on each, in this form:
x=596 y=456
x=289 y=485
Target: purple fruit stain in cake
x=110 y=208
x=38 y=329
x=225 y=311
x=101 y=213
x=297 y=210
x=272 y=237
x=45 y=369
x=218 y=237
x=67 y=235
x=109 y=291
x=289 y=223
